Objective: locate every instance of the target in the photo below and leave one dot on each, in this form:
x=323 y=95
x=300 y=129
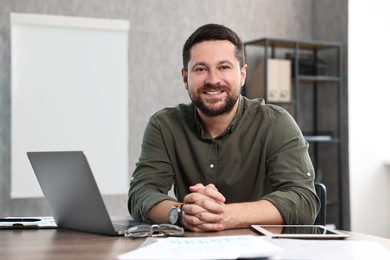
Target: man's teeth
x=213 y=92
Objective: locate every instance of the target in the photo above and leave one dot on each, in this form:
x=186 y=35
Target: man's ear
x=243 y=74
x=184 y=76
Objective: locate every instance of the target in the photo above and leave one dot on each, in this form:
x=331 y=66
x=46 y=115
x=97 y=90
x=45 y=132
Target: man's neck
x=217 y=125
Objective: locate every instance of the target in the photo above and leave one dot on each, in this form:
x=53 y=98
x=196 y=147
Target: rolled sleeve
x=291 y=174
x=153 y=176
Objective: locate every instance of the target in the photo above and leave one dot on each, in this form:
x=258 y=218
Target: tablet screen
x=298 y=231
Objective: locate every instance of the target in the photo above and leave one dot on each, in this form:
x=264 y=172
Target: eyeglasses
x=162 y=230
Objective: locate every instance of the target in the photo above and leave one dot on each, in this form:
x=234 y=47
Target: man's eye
x=199 y=69
x=225 y=67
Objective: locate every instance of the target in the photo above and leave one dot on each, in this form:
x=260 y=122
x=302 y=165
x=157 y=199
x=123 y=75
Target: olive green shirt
x=262 y=155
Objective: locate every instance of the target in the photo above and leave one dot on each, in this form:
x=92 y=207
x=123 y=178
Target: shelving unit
x=315 y=104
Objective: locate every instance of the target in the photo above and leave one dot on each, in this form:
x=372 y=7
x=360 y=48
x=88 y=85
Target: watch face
x=174 y=215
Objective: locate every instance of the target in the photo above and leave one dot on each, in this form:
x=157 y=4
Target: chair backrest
x=321 y=193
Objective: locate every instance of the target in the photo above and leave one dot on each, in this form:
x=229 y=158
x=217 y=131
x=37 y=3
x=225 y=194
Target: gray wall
x=330 y=24
x=158 y=31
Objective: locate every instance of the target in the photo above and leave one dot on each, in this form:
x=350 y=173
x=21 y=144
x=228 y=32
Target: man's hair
x=213 y=32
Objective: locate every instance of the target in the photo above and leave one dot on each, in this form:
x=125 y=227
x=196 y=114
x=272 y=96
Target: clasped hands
x=204 y=209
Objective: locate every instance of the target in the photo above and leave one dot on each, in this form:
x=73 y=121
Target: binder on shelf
x=278 y=81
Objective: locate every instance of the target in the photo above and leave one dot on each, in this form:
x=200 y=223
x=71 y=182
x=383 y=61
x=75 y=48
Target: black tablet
x=299 y=231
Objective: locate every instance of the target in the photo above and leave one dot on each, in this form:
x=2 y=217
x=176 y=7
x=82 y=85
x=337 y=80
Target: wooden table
x=66 y=244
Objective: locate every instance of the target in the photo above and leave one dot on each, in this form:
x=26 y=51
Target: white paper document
x=330 y=249
x=222 y=247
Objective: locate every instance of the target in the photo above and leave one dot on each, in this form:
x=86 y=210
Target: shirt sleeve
x=153 y=176
x=290 y=172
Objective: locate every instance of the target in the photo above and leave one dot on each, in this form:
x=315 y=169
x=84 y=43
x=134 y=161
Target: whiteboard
x=69 y=92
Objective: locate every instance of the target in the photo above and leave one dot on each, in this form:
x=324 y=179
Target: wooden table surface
x=66 y=244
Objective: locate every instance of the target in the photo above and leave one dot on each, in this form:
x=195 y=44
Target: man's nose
x=213 y=77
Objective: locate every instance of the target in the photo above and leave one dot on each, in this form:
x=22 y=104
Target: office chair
x=321 y=193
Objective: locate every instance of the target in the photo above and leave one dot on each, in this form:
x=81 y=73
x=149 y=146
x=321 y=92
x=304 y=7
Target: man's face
x=214 y=77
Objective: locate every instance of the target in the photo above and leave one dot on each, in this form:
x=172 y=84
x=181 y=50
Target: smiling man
x=233 y=162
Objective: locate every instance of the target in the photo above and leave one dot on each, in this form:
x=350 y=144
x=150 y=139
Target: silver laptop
x=71 y=191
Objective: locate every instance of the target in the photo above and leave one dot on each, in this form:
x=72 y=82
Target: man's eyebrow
x=201 y=63
x=226 y=61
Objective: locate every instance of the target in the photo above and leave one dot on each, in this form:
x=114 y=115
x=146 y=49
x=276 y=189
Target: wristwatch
x=175 y=214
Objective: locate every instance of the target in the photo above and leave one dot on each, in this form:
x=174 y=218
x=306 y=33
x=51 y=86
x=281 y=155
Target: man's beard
x=210 y=109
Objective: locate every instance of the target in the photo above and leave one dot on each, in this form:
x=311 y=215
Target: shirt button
x=308 y=174
x=211 y=166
